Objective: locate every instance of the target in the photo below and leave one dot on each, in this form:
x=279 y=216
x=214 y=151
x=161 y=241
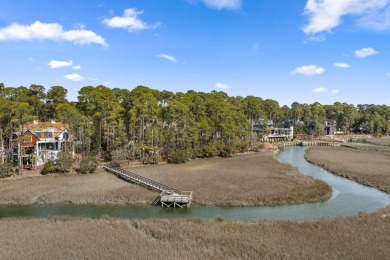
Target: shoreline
x=349 y=177
x=341 y=166
x=254 y=179
x=362 y=236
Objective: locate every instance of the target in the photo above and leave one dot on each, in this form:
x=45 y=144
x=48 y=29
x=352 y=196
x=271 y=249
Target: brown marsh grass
x=369 y=167
x=380 y=141
x=252 y=179
x=249 y=179
x=368 y=147
x=365 y=236
x=92 y=188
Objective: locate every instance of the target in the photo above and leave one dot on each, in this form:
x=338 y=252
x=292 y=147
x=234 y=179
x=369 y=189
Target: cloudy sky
x=287 y=50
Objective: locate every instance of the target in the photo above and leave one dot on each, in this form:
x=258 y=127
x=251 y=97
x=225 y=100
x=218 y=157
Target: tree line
x=153 y=125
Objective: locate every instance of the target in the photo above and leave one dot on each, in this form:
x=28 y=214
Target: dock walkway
x=169 y=197
x=310 y=143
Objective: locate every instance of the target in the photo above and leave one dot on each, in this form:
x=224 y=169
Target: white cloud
x=76 y=67
x=74 y=77
x=324 y=15
x=319 y=90
x=377 y=20
x=335 y=91
x=342 y=65
x=54 y=64
x=79 y=26
x=365 y=52
x=221 y=86
x=223 y=4
x=167 y=57
x=129 y=21
x=308 y=70
x=316 y=38
x=49 y=31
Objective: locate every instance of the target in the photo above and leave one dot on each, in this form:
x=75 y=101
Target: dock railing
x=168 y=196
x=181 y=200
x=132 y=177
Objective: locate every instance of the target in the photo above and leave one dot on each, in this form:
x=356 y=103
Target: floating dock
x=169 y=197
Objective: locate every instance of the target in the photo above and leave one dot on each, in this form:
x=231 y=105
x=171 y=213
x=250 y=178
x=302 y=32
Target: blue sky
x=287 y=50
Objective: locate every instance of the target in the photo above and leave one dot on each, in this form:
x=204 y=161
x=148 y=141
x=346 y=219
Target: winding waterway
x=348 y=198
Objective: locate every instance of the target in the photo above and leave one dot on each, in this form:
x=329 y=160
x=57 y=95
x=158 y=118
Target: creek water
x=348 y=198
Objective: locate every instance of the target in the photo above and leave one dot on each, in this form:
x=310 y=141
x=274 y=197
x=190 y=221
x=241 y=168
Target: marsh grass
x=86 y=188
x=385 y=141
x=361 y=237
x=369 y=167
x=252 y=179
x=368 y=147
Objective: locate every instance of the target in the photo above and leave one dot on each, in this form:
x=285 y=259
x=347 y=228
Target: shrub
x=260 y=147
x=88 y=164
x=107 y=156
x=208 y=151
x=177 y=156
x=114 y=164
x=6 y=169
x=64 y=162
x=225 y=152
x=48 y=167
x=117 y=157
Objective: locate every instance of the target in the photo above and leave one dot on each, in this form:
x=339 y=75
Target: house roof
x=36 y=126
x=32 y=132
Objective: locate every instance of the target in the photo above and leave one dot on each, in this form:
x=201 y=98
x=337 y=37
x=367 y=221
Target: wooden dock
x=320 y=143
x=181 y=200
x=310 y=143
x=169 y=197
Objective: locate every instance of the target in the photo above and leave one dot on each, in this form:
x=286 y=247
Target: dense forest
x=150 y=125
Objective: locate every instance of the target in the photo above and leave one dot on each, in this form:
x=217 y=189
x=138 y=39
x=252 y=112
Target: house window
x=48 y=135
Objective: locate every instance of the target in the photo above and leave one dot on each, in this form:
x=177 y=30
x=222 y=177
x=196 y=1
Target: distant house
x=330 y=127
x=42 y=141
x=293 y=122
x=310 y=127
x=298 y=125
x=272 y=133
x=28 y=144
x=280 y=134
x=261 y=125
